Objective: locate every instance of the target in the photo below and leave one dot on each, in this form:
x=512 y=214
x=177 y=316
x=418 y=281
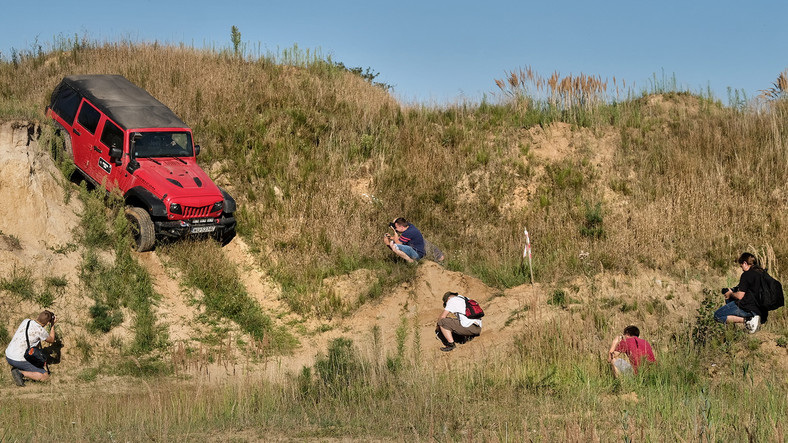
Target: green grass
x=118 y=283
x=205 y=267
x=20 y=282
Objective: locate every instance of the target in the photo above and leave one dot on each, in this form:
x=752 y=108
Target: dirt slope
x=36 y=229
x=43 y=219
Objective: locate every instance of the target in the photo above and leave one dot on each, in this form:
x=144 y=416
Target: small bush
x=46 y=298
x=85 y=349
x=706 y=330
x=104 y=318
x=59 y=283
x=20 y=283
x=341 y=368
x=12 y=241
x=558 y=298
x=88 y=374
x=593 y=222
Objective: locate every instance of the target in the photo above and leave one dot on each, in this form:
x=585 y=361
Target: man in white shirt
x=454 y=303
x=32 y=330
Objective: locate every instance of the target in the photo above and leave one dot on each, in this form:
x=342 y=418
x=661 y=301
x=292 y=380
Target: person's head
x=748 y=261
x=632 y=331
x=45 y=317
x=447 y=296
x=401 y=224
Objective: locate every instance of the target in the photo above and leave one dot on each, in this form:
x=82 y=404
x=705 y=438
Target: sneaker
x=19 y=379
x=753 y=324
x=449 y=348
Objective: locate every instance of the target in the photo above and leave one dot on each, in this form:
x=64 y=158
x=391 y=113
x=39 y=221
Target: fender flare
x=150 y=202
x=229 y=202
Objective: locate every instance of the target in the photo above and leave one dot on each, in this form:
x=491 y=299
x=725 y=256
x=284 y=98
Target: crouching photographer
x=23 y=352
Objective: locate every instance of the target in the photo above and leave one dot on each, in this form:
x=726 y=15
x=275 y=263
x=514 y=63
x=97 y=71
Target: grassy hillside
x=610 y=184
x=687 y=185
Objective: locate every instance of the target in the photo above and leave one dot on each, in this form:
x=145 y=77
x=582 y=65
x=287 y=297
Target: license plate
x=203 y=229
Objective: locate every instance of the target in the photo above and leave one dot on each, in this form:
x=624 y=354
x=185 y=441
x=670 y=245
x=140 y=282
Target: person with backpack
x=633 y=347
x=454 y=325
x=741 y=302
x=29 y=334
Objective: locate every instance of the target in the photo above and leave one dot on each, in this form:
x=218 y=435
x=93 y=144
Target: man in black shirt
x=741 y=302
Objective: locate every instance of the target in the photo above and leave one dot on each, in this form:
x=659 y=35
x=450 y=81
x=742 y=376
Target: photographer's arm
x=51 y=338
x=733 y=295
x=612 y=353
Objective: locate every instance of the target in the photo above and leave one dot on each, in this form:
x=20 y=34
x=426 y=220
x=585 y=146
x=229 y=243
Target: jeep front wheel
x=143 y=234
x=227 y=236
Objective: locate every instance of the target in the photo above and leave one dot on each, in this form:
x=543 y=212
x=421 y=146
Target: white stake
x=527 y=252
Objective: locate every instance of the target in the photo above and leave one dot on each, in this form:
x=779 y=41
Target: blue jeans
x=24 y=366
x=731 y=309
x=409 y=251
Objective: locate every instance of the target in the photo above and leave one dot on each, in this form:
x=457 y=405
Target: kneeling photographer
x=22 y=353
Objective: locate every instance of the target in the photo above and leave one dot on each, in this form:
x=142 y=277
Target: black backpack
x=771 y=296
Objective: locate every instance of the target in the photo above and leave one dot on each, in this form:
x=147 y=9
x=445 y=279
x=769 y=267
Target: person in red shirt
x=633 y=347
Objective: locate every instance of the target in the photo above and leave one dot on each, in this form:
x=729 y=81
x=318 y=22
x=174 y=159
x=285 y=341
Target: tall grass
x=549 y=388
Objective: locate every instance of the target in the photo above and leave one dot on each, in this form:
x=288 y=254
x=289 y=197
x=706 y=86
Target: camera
x=392 y=225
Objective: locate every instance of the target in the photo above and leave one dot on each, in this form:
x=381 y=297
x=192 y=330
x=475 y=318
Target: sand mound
x=34 y=238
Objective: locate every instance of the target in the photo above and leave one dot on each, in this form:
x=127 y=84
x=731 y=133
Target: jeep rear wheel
x=66 y=152
x=143 y=234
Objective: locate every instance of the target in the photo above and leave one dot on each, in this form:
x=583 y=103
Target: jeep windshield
x=162 y=144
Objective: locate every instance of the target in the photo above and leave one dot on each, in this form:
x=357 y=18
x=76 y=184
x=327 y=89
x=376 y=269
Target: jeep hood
x=177 y=177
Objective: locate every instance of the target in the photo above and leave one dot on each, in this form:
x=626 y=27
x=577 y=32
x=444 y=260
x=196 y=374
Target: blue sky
x=436 y=52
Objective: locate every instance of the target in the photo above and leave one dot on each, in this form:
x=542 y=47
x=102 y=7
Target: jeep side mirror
x=196 y=150
x=115 y=153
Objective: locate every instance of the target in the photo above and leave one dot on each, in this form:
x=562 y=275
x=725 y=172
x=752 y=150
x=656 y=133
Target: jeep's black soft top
x=128 y=105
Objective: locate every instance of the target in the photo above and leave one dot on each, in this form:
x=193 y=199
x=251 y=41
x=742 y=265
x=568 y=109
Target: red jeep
x=120 y=137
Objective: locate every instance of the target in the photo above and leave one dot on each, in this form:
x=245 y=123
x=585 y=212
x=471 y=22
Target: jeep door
x=84 y=140
x=111 y=168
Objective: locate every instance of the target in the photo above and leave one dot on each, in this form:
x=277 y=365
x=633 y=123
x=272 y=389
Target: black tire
x=67 y=151
x=143 y=234
x=227 y=236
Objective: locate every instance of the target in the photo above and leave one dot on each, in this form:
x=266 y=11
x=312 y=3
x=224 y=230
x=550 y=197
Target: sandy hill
x=37 y=233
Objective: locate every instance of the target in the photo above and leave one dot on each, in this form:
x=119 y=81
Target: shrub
x=340 y=368
x=20 y=283
x=558 y=298
x=104 y=318
x=593 y=222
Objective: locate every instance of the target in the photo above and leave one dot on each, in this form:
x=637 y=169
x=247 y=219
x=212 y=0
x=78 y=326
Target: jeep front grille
x=196 y=211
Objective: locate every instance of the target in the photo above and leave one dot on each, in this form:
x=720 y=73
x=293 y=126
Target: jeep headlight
x=218 y=206
x=175 y=208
